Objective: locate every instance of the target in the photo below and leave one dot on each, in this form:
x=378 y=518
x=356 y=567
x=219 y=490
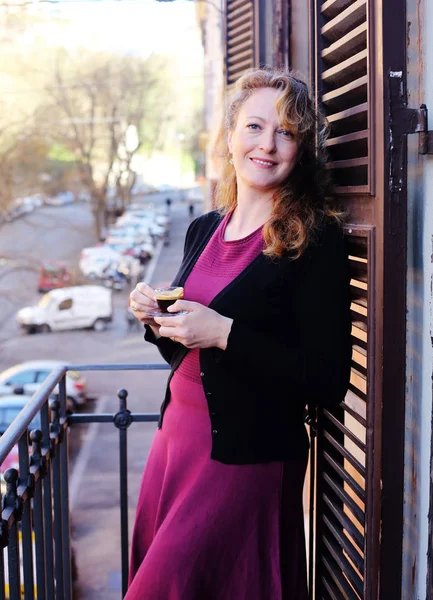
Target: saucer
x=157 y=313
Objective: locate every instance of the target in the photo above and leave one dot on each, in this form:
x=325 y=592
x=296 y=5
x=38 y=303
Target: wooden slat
x=239 y=57
x=345 y=430
x=352 y=42
x=235 y=71
x=239 y=45
x=349 y=572
x=348 y=113
x=355 y=407
x=242 y=38
x=350 y=90
x=347 y=70
x=351 y=17
x=239 y=19
x=346 y=524
x=345 y=543
x=360 y=190
x=350 y=163
x=330 y=8
x=236 y=32
x=344 y=475
x=234 y=4
x=345 y=454
x=346 y=139
x=346 y=499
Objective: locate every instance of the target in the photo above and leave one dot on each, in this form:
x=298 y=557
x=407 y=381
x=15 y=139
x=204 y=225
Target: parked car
x=52 y=276
x=61 y=199
x=10 y=407
x=77 y=307
x=95 y=259
x=28 y=376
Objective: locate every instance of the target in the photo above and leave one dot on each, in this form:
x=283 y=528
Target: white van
x=75 y=307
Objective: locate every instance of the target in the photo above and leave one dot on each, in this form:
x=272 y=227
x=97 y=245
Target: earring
x=231 y=161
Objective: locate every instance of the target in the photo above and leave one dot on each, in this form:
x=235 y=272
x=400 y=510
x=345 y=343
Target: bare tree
x=105 y=111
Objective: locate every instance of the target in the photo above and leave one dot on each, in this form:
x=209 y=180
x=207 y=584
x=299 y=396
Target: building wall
x=212 y=34
x=419 y=304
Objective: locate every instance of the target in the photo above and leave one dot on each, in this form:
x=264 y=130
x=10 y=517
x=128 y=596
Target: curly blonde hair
x=305 y=198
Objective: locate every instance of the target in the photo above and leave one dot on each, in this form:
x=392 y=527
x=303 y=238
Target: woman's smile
x=263 y=163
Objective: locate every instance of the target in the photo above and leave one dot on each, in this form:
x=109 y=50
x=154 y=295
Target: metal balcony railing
x=35 y=506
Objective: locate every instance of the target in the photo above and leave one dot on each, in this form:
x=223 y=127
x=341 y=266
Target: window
x=45 y=301
x=21 y=378
x=66 y=304
x=41 y=376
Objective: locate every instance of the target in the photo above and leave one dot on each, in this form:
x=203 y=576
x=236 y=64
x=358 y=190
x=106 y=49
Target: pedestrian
x=168 y=204
x=264 y=331
x=191 y=210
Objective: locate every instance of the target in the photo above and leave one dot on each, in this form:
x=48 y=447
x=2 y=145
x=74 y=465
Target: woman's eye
x=253 y=126
x=286 y=133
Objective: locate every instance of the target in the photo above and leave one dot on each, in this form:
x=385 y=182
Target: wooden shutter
x=358 y=56
x=344 y=87
x=241 y=38
x=345 y=450
x=347 y=489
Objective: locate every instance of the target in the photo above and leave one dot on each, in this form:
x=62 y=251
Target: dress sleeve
x=317 y=366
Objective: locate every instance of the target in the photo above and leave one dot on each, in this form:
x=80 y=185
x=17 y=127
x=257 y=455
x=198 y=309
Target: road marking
x=84 y=455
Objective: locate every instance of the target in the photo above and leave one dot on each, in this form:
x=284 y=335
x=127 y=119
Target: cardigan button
x=215 y=432
x=202 y=374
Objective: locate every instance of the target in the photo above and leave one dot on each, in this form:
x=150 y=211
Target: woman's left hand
x=202 y=327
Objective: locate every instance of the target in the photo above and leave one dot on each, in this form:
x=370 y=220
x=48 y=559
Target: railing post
x=37 y=463
x=4 y=538
x=12 y=502
x=64 y=472
x=49 y=446
x=56 y=433
x=122 y=420
x=27 y=482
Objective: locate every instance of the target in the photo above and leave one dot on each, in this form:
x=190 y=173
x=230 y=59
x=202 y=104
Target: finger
x=167 y=322
x=182 y=305
x=138 y=307
x=168 y=332
x=146 y=290
x=140 y=301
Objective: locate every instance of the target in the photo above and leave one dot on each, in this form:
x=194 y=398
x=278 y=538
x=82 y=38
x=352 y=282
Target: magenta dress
x=205 y=530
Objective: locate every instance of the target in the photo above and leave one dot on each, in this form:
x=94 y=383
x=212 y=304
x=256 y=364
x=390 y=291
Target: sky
x=138 y=27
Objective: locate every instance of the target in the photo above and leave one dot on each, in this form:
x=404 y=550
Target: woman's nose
x=267 y=142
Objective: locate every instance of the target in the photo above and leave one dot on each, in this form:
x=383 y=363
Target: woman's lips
x=264 y=164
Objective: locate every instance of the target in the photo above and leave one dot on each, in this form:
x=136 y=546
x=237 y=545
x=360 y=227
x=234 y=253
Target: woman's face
x=264 y=152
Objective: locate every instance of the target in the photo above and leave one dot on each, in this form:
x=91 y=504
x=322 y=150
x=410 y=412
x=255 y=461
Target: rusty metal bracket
x=418 y=123
x=415 y=120
x=404 y=120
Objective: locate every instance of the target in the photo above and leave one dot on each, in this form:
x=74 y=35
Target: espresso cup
x=167 y=296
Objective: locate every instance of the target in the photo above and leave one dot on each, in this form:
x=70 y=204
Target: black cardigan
x=289 y=346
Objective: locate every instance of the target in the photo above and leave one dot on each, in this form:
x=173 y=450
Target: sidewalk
x=95 y=511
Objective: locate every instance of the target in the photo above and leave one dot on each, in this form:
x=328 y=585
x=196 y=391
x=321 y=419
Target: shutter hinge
x=415 y=120
x=403 y=120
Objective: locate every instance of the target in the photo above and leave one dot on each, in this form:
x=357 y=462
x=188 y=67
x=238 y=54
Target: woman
x=265 y=331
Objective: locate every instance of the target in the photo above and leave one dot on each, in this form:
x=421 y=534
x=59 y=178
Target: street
x=59 y=233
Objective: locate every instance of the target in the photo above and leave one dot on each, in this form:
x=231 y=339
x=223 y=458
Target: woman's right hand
x=143 y=300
